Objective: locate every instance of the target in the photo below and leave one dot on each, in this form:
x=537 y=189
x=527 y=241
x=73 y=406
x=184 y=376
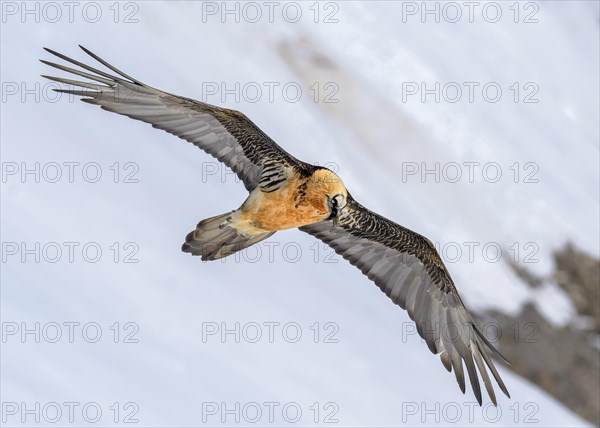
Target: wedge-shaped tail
x=217 y=237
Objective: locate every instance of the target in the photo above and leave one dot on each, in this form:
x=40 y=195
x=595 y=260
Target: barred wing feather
x=408 y=269
x=227 y=135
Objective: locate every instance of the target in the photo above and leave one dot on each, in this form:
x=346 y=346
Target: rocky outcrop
x=564 y=361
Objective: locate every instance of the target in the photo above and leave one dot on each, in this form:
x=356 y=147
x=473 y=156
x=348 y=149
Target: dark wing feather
x=408 y=269
x=228 y=135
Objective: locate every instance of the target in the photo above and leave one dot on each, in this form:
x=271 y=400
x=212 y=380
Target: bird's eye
x=340 y=200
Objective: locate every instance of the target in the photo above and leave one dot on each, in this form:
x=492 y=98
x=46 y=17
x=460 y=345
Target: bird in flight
x=286 y=193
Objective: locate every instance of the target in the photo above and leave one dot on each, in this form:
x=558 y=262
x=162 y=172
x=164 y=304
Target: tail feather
x=217 y=237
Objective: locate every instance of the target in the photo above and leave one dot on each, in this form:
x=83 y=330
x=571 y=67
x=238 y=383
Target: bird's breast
x=292 y=205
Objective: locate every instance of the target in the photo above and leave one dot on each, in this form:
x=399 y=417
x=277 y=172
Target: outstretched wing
x=228 y=135
x=408 y=269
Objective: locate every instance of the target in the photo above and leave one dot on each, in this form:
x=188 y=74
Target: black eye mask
x=334 y=211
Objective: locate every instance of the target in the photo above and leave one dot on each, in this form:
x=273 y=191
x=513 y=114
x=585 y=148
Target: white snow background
x=378 y=372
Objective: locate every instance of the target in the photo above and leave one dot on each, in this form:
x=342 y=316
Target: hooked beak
x=337 y=205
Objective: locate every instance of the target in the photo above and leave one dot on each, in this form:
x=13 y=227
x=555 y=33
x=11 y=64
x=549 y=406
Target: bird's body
x=298 y=197
x=298 y=202
x=286 y=193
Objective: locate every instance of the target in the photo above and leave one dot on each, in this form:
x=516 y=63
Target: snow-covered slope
x=358 y=357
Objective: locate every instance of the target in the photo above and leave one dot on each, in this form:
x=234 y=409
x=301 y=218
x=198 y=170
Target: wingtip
x=490 y=346
x=86 y=50
x=504 y=389
x=52 y=51
x=43 y=61
x=479 y=399
x=477 y=392
x=502 y=357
